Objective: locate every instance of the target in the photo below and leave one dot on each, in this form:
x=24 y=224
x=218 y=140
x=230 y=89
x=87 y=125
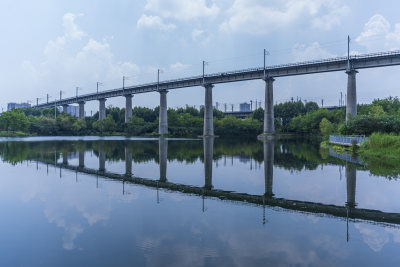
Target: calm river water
x=192 y=202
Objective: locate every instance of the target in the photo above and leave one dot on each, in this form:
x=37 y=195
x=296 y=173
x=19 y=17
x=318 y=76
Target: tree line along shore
x=380 y=120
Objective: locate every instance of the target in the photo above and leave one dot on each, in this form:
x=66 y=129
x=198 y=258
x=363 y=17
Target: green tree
x=376 y=111
x=105 y=125
x=79 y=126
x=326 y=127
x=258 y=114
x=14 y=120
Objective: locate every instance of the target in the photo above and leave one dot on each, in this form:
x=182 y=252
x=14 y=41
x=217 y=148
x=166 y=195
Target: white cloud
x=201 y=36
x=182 y=9
x=333 y=17
x=178 y=66
x=196 y=33
x=92 y=62
x=261 y=17
x=72 y=30
x=314 y=51
x=378 y=34
x=154 y=22
x=374 y=237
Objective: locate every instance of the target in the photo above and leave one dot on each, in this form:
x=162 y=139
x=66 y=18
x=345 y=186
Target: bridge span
x=350 y=65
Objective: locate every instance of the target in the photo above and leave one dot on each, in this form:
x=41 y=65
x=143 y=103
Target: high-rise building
x=244 y=106
x=11 y=106
x=72 y=110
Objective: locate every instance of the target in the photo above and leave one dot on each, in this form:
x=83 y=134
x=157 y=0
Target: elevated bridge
x=350 y=65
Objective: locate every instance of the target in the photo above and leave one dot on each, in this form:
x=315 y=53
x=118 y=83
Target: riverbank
x=14 y=134
x=381 y=146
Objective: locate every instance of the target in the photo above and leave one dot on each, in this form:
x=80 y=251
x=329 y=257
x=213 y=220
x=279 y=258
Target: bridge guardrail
x=347 y=140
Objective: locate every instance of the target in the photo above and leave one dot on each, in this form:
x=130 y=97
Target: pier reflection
x=81 y=159
x=269 y=147
x=162 y=157
x=128 y=160
x=351 y=179
x=208 y=150
x=274 y=153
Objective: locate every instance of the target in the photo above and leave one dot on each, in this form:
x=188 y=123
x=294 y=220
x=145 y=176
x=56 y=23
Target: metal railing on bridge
x=347 y=140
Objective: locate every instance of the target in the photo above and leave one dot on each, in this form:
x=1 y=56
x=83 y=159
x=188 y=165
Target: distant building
x=72 y=110
x=202 y=106
x=244 y=107
x=11 y=106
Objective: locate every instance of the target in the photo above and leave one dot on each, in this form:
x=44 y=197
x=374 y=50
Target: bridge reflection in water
x=348 y=211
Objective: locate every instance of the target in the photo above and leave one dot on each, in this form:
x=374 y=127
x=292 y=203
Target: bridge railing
x=347 y=140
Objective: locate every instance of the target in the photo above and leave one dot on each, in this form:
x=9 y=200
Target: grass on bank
x=382 y=154
x=13 y=134
x=381 y=146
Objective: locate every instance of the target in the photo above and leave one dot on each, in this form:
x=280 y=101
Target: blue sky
x=48 y=46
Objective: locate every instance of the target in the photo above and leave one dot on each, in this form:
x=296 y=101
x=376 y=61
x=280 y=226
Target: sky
x=49 y=46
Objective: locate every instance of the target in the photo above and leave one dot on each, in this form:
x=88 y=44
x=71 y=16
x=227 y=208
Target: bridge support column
x=65 y=108
x=351 y=179
x=162 y=154
x=128 y=161
x=269 y=125
x=163 y=117
x=81 y=110
x=102 y=108
x=208 y=146
x=351 y=105
x=81 y=157
x=208 y=129
x=128 y=108
x=269 y=147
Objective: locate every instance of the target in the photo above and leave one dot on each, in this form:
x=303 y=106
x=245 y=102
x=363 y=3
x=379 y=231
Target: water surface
x=196 y=202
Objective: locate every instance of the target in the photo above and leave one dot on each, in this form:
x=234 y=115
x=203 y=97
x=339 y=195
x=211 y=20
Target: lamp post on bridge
x=204 y=64
x=266 y=53
x=97 y=86
x=77 y=89
x=37 y=101
x=124 y=78
x=158 y=78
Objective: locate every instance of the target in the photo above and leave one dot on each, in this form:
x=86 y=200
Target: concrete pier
x=128 y=161
x=163 y=117
x=208 y=129
x=81 y=159
x=208 y=146
x=162 y=157
x=351 y=105
x=102 y=108
x=269 y=125
x=128 y=108
x=81 y=110
x=269 y=147
x=351 y=179
x=65 y=108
